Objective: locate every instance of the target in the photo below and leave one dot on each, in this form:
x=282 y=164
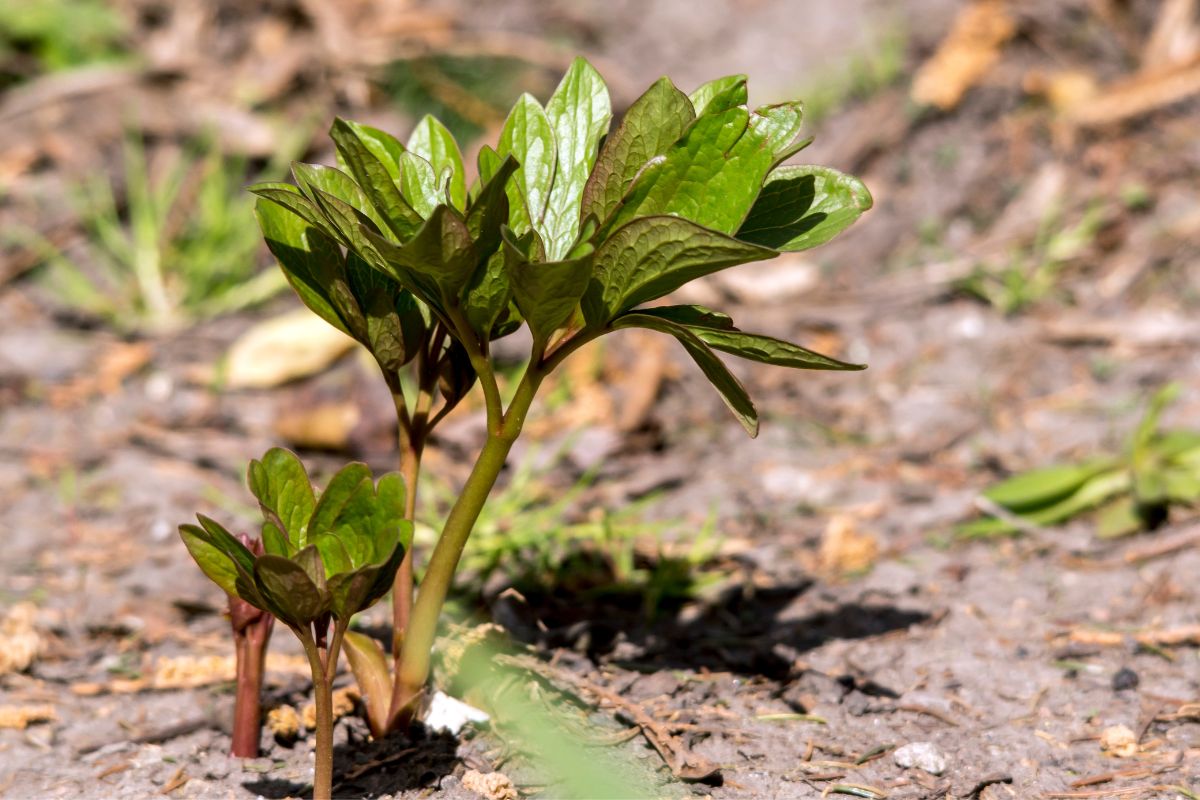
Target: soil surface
x=836 y=633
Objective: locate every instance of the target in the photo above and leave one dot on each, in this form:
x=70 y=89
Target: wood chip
x=21 y=717
x=966 y=54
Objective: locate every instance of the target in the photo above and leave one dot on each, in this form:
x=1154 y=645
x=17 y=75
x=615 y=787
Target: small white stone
x=922 y=755
x=447 y=714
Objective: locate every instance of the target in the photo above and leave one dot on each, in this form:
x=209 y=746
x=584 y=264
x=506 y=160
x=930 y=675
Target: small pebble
x=1125 y=678
x=922 y=755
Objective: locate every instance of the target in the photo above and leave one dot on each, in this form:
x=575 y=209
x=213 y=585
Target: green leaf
x=336 y=557
x=768 y=350
x=349 y=591
x=281 y=484
x=342 y=486
x=308 y=258
x=350 y=224
x=370 y=667
x=653 y=256
x=1043 y=487
x=395 y=321
x=1148 y=425
x=780 y=124
x=579 y=112
x=711 y=176
x=652 y=124
x=309 y=559
x=288 y=196
x=383 y=146
x=547 y=292
x=432 y=141
x=1181 y=485
x=441 y=251
x=290 y=593
x=488 y=295
x=528 y=137
x=227 y=543
x=1095 y=491
x=420 y=185
x=692 y=316
x=274 y=540
x=802 y=207
x=489 y=291
x=212 y=560
x=729 y=387
x=1119 y=518
x=317 y=181
x=490 y=210
x=1176 y=445
x=487 y=163
x=377 y=177
x=720 y=94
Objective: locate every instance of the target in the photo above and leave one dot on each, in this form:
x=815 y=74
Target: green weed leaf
x=1044 y=487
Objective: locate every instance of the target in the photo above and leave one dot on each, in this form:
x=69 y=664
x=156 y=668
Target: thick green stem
x=413 y=669
x=402 y=587
x=323 y=773
x=323 y=664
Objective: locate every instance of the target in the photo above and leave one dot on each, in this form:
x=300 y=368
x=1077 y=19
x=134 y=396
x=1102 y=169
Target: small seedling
x=1032 y=274
x=571 y=229
x=1133 y=492
x=324 y=558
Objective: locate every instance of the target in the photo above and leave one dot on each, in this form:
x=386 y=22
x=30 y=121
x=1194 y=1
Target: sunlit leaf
x=729 y=387
x=652 y=124
x=802 y=207
x=528 y=137
x=579 y=112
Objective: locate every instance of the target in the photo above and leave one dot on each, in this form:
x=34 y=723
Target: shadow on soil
x=744 y=629
x=366 y=768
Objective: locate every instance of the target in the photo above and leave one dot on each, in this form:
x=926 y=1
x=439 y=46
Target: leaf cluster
x=1133 y=492
x=327 y=554
x=569 y=227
